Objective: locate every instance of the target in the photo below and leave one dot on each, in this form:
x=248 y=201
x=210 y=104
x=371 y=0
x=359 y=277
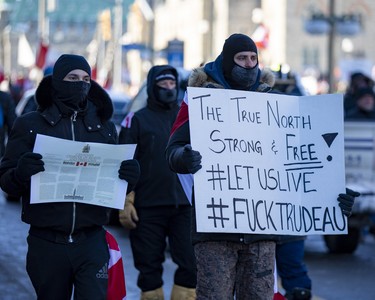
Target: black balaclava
x=237 y=76
x=70 y=95
x=163 y=95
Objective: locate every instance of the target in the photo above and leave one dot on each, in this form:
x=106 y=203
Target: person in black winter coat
x=358 y=81
x=66 y=243
x=364 y=109
x=159 y=208
x=229 y=264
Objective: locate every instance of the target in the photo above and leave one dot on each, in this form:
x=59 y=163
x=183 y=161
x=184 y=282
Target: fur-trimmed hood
x=200 y=77
x=97 y=95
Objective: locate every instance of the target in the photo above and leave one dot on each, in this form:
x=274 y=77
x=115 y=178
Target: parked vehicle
x=360 y=176
x=27 y=103
x=120 y=102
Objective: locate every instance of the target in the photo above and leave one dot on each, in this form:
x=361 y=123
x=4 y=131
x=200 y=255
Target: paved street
x=14 y=282
x=335 y=277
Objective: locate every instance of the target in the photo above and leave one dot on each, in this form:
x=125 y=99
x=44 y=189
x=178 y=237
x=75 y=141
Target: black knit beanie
x=237 y=42
x=67 y=63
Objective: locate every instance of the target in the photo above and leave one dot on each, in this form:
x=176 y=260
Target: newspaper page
x=83 y=172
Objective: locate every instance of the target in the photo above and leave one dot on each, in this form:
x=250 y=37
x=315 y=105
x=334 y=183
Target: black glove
x=28 y=165
x=129 y=171
x=192 y=159
x=347 y=201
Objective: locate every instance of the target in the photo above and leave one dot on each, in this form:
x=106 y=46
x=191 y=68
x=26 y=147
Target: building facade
x=203 y=26
x=199 y=27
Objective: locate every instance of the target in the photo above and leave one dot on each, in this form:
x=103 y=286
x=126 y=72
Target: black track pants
x=55 y=268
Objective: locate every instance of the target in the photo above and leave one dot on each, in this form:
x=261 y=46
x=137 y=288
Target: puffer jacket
x=209 y=76
x=91 y=126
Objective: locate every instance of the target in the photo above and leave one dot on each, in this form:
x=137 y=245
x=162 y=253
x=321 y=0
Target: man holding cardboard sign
x=229 y=262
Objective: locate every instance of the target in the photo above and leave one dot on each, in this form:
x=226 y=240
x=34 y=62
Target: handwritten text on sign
x=271 y=163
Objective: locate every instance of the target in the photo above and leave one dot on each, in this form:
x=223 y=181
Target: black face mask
x=243 y=78
x=72 y=93
x=166 y=96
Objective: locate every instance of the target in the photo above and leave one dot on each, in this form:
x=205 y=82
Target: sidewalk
x=14 y=281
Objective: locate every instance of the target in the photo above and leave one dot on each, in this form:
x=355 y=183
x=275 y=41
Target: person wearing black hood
x=228 y=264
x=66 y=243
x=158 y=209
x=364 y=109
x=358 y=80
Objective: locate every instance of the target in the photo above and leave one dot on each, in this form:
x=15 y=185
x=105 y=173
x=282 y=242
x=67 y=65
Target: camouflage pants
x=226 y=269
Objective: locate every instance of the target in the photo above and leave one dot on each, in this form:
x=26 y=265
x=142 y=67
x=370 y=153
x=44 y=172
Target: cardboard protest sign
x=272 y=164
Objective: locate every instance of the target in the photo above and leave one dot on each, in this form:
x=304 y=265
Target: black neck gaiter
x=243 y=78
x=71 y=94
x=166 y=95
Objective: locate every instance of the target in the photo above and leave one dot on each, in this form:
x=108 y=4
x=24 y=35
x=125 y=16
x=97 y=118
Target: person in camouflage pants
x=228 y=264
x=235 y=260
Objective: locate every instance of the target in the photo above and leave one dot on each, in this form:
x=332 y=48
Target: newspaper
x=83 y=172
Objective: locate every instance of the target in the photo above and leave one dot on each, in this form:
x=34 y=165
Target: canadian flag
x=116 y=277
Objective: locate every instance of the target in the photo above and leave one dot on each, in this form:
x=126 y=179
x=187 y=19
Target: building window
x=310 y=56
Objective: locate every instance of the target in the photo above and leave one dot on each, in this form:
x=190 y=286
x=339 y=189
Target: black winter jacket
x=91 y=126
x=150 y=128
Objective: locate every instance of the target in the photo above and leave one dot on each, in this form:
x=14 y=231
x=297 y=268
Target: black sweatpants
x=54 y=268
x=148 y=242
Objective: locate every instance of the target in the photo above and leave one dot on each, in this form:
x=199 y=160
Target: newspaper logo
x=86 y=149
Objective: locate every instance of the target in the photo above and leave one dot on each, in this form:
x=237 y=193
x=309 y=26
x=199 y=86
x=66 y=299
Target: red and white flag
x=116 y=277
x=127 y=122
x=41 y=55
